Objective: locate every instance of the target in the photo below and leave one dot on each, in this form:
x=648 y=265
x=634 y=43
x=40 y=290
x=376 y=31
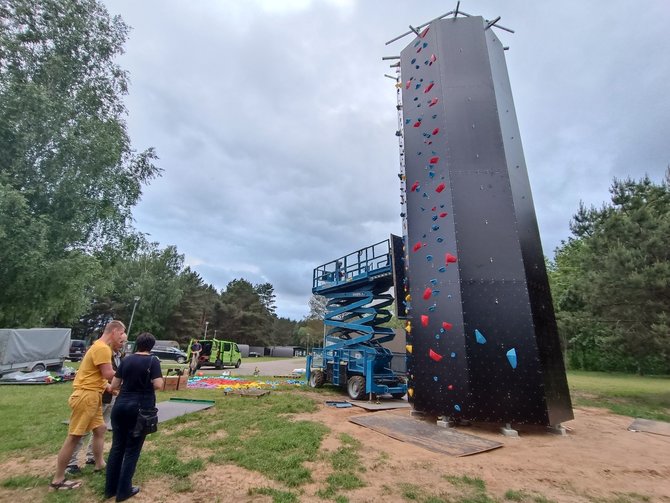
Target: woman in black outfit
x=138 y=376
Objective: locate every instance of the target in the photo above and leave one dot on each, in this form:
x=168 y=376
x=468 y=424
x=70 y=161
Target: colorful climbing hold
x=446 y=325
x=429 y=258
x=434 y=160
x=457 y=408
x=408 y=347
x=417 y=246
x=424 y=320
x=410 y=392
x=479 y=337
x=434 y=356
x=436 y=130
x=429 y=87
x=443 y=214
x=449 y=258
x=423 y=33
x=414 y=186
x=427 y=293
x=511 y=358
x=433 y=102
x=433 y=58
x=440 y=187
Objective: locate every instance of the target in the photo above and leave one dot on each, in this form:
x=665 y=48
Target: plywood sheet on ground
x=424 y=434
x=649 y=426
x=381 y=405
x=171 y=409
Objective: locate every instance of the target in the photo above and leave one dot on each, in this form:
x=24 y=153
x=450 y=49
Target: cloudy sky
x=275 y=125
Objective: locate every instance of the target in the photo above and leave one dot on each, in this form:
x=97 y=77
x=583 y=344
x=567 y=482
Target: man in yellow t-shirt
x=93 y=377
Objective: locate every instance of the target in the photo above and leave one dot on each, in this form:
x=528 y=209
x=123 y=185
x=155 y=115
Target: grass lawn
x=262 y=435
x=625 y=394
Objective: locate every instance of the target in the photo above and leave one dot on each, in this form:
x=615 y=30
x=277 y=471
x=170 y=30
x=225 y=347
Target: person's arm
x=116 y=383
x=158 y=383
x=156 y=374
x=106 y=370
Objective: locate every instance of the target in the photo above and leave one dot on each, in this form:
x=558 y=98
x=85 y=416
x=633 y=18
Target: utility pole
x=206 y=325
x=130 y=324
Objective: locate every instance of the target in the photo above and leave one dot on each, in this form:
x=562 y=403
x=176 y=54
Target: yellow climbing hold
x=410 y=392
x=408 y=347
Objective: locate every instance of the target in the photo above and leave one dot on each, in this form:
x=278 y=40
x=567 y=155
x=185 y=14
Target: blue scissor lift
x=356 y=287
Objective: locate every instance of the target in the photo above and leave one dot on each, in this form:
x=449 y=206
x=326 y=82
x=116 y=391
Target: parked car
x=169 y=353
x=77 y=350
x=253 y=354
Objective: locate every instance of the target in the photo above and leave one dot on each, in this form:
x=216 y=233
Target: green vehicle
x=216 y=353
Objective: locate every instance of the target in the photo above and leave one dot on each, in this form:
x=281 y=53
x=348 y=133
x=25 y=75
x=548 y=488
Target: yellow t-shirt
x=89 y=376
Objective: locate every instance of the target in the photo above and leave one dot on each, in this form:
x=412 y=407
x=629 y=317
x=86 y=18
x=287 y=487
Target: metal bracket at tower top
x=456 y=12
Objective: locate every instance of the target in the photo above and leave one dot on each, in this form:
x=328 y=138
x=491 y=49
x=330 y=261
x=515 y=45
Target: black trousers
x=126 y=448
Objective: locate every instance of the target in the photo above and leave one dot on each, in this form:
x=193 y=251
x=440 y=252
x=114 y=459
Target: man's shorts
x=86 y=414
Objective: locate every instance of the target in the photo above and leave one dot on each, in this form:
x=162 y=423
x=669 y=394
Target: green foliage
x=68 y=175
x=611 y=281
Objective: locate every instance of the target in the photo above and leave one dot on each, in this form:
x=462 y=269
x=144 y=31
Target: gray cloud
x=275 y=125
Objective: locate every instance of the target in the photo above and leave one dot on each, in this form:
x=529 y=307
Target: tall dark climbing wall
x=482 y=341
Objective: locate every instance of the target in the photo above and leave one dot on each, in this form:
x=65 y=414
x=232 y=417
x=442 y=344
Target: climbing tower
x=482 y=343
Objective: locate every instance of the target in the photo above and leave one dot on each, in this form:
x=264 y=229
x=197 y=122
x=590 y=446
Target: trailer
x=357 y=288
x=33 y=349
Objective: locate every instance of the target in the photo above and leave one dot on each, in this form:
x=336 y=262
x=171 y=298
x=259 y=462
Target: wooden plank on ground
x=424 y=434
x=649 y=426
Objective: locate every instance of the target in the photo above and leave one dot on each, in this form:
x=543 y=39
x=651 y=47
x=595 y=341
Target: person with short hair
x=138 y=377
x=107 y=404
x=91 y=381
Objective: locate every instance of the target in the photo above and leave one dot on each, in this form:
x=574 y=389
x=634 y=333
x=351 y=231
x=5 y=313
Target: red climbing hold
x=423 y=33
x=440 y=188
x=409 y=82
x=434 y=208
x=434 y=160
x=436 y=130
x=417 y=124
x=450 y=387
x=414 y=186
x=446 y=325
x=449 y=258
x=433 y=102
x=424 y=320
x=427 y=293
x=429 y=87
x=433 y=58
x=443 y=214
x=417 y=246
x=434 y=356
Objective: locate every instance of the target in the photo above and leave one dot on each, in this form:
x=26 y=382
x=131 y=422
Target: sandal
x=65 y=485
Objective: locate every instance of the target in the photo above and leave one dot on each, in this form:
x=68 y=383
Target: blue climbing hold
x=442 y=269
x=479 y=337
x=457 y=408
x=453 y=355
x=511 y=358
x=429 y=258
x=433 y=281
x=439 y=240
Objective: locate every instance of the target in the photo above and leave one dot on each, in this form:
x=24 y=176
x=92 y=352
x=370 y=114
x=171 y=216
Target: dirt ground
x=598 y=461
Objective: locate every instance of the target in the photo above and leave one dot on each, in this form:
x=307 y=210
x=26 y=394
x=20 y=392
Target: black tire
x=218 y=364
x=398 y=396
x=356 y=387
x=40 y=367
x=181 y=359
x=237 y=365
x=316 y=378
